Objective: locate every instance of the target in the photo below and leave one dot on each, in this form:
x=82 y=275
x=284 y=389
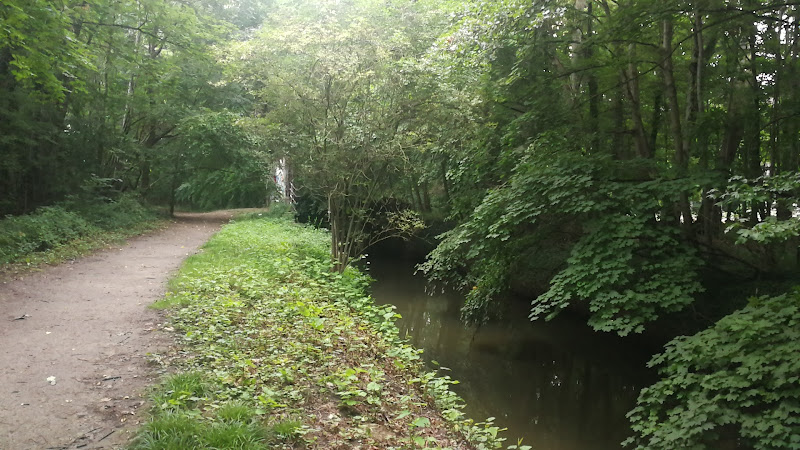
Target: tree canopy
x=621 y=159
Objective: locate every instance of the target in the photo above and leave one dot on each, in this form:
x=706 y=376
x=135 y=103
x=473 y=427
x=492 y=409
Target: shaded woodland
x=630 y=160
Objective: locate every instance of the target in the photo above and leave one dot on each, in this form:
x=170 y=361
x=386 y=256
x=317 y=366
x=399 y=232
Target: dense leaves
x=218 y=161
x=590 y=155
x=98 y=89
x=51 y=227
x=274 y=330
x=332 y=83
x=625 y=262
x=735 y=382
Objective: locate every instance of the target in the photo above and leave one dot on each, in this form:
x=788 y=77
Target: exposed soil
x=75 y=340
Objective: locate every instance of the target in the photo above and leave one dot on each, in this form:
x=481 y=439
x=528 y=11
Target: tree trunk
x=417 y=195
x=630 y=79
x=671 y=92
x=445 y=183
x=594 y=95
x=334 y=218
x=426 y=197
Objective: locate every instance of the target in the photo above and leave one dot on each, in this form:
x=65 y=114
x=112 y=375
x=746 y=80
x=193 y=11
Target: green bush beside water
x=51 y=227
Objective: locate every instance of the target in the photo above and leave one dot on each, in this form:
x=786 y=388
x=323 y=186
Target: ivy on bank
x=270 y=327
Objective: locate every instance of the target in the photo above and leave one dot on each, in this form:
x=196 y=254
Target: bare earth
x=75 y=339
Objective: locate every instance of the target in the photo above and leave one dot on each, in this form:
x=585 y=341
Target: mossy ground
x=277 y=351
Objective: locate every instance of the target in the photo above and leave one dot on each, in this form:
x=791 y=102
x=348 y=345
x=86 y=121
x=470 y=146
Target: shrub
x=43 y=230
x=738 y=381
x=124 y=212
x=52 y=226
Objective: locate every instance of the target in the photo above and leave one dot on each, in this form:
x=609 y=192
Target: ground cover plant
x=54 y=233
x=279 y=351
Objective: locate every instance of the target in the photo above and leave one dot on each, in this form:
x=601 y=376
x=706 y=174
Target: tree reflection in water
x=557 y=384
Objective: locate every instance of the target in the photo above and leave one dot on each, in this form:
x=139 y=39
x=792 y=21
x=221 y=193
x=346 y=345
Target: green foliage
x=235 y=436
x=782 y=190
x=126 y=211
x=219 y=163
x=339 y=105
x=100 y=87
x=182 y=391
x=737 y=381
x=176 y=431
x=178 y=424
x=172 y=431
x=627 y=264
x=236 y=412
x=51 y=227
x=629 y=271
x=47 y=228
x=44 y=55
x=768 y=231
x=279 y=337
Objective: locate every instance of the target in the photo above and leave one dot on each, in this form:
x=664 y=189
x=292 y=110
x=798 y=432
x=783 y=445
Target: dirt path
x=86 y=323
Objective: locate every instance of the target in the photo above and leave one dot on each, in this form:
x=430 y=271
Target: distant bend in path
x=74 y=340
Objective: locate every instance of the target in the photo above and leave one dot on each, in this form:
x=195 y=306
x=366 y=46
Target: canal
x=558 y=385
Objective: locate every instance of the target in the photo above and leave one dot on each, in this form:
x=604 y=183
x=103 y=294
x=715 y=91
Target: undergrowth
x=55 y=233
x=280 y=352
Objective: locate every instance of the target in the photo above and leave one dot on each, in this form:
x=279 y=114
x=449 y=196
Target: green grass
x=284 y=353
x=182 y=391
x=236 y=412
x=177 y=422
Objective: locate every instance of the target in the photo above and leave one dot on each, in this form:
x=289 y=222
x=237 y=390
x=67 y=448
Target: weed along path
x=74 y=340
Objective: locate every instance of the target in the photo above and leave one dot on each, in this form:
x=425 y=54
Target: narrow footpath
x=75 y=340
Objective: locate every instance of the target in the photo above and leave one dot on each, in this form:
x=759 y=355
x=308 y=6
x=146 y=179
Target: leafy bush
x=124 y=212
x=627 y=259
x=43 y=230
x=52 y=226
x=738 y=382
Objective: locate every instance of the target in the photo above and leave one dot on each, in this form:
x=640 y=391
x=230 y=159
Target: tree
x=332 y=80
x=97 y=89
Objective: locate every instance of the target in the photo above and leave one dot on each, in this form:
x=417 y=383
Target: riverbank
x=558 y=384
x=276 y=351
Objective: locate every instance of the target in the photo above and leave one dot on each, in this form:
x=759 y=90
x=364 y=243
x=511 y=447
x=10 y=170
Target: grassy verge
x=278 y=352
x=57 y=233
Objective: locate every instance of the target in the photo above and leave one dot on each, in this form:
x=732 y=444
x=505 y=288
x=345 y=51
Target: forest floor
x=75 y=340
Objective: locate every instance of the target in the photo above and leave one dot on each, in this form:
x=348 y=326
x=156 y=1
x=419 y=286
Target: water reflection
x=556 y=384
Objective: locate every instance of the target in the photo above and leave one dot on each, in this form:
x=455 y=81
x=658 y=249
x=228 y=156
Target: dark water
x=558 y=385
